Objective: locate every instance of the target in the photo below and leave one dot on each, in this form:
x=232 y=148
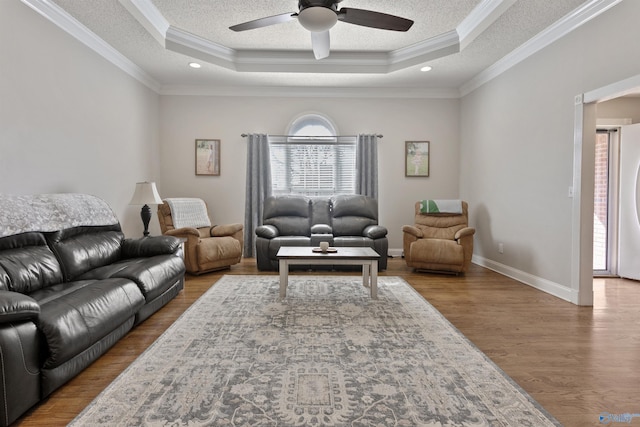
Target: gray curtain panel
x=367 y=165
x=258 y=188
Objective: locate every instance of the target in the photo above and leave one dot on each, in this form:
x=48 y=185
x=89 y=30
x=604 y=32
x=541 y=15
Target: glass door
x=605 y=203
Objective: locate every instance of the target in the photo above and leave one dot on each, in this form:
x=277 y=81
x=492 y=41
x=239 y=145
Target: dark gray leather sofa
x=67 y=296
x=344 y=220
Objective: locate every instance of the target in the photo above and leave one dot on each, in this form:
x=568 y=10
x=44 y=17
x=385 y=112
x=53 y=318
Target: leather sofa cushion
x=354 y=205
x=291 y=215
x=320 y=210
x=276 y=243
x=76 y=315
x=267 y=231
x=437 y=251
x=442 y=219
x=152 y=275
x=219 y=248
x=375 y=232
x=151 y=246
x=352 y=214
x=353 y=241
x=17 y=307
x=440 y=232
x=351 y=225
x=81 y=249
x=321 y=229
x=27 y=264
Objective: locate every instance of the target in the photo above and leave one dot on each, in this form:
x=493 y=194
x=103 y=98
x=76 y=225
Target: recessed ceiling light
x=194 y=65
x=425 y=69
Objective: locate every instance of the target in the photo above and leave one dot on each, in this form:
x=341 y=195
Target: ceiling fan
x=319 y=16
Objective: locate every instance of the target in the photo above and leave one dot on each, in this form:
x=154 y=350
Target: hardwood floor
x=577 y=362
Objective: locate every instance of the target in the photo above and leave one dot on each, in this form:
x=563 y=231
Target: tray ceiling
x=458 y=38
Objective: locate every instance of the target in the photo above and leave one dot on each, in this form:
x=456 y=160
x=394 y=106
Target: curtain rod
x=244 y=135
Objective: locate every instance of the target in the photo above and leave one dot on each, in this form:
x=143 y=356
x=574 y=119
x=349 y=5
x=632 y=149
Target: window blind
x=317 y=166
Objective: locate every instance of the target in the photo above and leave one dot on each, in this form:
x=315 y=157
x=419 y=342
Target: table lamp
x=146 y=194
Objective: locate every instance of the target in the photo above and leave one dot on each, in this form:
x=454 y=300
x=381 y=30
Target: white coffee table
x=366 y=257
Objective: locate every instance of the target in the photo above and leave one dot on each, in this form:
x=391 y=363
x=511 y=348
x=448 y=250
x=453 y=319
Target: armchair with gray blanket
x=344 y=220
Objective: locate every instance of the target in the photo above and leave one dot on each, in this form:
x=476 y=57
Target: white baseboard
x=539 y=283
x=394 y=253
x=552 y=288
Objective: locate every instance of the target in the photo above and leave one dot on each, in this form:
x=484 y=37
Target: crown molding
x=448 y=43
x=189 y=44
x=480 y=18
x=68 y=23
x=559 y=29
x=181 y=41
x=313 y=92
x=436 y=47
x=148 y=15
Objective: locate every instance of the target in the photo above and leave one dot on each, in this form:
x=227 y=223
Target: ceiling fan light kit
x=319 y=16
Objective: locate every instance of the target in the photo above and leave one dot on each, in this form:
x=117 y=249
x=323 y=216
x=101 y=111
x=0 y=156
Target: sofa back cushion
x=320 y=211
x=81 y=249
x=291 y=215
x=351 y=214
x=441 y=225
x=27 y=264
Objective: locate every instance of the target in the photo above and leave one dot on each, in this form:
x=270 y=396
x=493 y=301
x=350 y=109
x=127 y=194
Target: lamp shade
x=146 y=194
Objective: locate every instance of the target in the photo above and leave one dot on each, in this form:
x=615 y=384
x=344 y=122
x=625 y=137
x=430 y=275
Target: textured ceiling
x=210 y=19
x=198 y=20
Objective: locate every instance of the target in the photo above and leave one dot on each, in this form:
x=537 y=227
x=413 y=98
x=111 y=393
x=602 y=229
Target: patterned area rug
x=327 y=355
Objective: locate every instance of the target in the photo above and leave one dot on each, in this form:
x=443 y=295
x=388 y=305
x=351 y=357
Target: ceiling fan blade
x=321 y=43
x=369 y=18
x=265 y=22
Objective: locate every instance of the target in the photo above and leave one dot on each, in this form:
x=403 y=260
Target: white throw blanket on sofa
x=188 y=212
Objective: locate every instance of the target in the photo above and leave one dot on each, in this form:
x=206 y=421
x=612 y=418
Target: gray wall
x=620 y=108
x=69 y=120
x=517 y=147
x=185 y=118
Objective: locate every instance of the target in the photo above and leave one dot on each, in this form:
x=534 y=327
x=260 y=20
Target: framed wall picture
x=416 y=158
x=208 y=157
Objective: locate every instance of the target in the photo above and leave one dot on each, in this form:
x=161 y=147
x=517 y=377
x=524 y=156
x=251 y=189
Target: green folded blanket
x=440 y=206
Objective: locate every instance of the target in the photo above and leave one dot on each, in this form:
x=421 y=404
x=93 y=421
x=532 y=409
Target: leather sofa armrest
x=267 y=231
x=321 y=229
x=150 y=246
x=183 y=232
x=225 y=230
x=374 y=231
x=414 y=231
x=467 y=231
x=17 y=307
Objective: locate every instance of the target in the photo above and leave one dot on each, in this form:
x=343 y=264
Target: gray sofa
x=344 y=220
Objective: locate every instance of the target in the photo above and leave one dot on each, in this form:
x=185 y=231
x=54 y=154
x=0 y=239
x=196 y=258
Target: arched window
x=312 y=124
x=312 y=159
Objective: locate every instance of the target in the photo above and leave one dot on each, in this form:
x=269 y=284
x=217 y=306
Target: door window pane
x=601 y=203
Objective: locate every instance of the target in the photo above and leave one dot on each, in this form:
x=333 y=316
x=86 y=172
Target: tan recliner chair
x=206 y=248
x=440 y=242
